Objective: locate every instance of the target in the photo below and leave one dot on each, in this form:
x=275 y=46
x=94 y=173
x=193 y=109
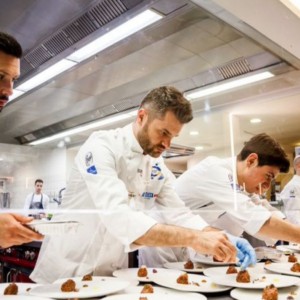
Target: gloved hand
x=245 y=252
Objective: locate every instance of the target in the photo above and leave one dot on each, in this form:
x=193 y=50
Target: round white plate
x=205 y=284
x=257 y=281
x=99 y=286
x=22 y=297
x=198 y=267
x=294 y=247
x=219 y=271
x=160 y=290
x=282 y=268
x=208 y=260
x=131 y=274
x=284 y=249
x=22 y=288
x=46 y=227
x=154 y=297
x=242 y=294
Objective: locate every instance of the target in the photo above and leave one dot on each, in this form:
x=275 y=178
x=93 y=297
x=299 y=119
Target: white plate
x=99 y=286
x=131 y=274
x=22 y=288
x=241 y=294
x=219 y=271
x=294 y=247
x=282 y=268
x=154 y=297
x=208 y=260
x=160 y=290
x=205 y=287
x=22 y=297
x=53 y=227
x=257 y=281
x=198 y=268
x=284 y=249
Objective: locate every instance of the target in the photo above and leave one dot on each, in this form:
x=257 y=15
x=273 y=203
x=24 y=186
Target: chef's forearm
x=279 y=229
x=161 y=235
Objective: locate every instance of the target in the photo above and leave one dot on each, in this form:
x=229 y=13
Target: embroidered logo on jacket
x=156 y=172
x=89 y=163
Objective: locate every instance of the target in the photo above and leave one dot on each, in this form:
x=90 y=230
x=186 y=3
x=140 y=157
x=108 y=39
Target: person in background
x=12 y=232
x=225 y=193
x=120 y=177
x=290 y=195
x=37 y=200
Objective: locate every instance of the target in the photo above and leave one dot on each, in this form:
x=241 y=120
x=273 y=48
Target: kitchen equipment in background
x=5 y=200
x=60 y=196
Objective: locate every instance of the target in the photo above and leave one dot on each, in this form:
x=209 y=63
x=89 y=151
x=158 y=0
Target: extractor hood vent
x=235 y=68
x=178 y=150
x=66 y=37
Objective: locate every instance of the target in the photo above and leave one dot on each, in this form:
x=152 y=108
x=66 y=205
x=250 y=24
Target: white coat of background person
x=221 y=191
x=290 y=195
x=12 y=231
x=120 y=177
x=37 y=200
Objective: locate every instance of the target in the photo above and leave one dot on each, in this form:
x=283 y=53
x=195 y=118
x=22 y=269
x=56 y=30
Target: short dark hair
x=268 y=150
x=9 y=45
x=38 y=180
x=167 y=98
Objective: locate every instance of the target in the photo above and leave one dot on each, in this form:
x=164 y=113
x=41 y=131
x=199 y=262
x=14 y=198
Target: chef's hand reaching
x=245 y=252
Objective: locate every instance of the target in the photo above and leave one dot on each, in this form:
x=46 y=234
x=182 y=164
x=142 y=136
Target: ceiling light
x=111 y=37
x=255 y=120
x=226 y=85
x=199 y=147
x=16 y=94
x=126 y=29
x=92 y=125
x=293 y=5
x=194 y=132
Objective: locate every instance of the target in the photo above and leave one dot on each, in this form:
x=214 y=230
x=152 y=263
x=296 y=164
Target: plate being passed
x=99 y=286
x=197 y=283
x=155 y=297
x=198 y=267
x=131 y=274
x=283 y=294
x=46 y=227
x=282 y=268
x=258 y=280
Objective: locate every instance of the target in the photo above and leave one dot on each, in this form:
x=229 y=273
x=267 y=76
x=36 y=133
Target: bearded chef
x=118 y=187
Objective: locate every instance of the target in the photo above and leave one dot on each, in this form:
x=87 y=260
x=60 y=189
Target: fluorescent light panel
x=82 y=128
x=126 y=29
x=293 y=5
x=201 y=92
x=131 y=26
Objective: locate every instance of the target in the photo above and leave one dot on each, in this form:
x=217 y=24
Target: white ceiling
x=184 y=50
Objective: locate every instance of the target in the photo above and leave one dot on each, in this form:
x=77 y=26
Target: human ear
x=252 y=160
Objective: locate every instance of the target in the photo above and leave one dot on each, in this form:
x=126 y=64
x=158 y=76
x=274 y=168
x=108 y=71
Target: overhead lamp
x=194 y=132
x=126 y=29
x=227 y=85
x=255 y=121
x=78 y=129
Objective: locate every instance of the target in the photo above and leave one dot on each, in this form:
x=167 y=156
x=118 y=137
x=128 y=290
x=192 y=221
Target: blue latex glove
x=245 y=252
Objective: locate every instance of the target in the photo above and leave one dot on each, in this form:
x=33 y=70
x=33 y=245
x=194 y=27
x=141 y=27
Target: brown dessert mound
x=189 y=265
x=231 y=270
x=68 y=286
x=270 y=292
x=147 y=289
x=183 y=279
x=292 y=258
x=295 y=267
x=142 y=272
x=11 y=289
x=87 y=277
x=243 y=276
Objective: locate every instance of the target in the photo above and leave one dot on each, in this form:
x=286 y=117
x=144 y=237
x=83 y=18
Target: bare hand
x=217 y=244
x=12 y=232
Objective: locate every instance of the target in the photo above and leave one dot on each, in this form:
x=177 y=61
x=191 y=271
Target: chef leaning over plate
x=225 y=192
x=121 y=181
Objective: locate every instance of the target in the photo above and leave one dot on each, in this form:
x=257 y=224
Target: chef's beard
x=3 y=101
x=149 y=148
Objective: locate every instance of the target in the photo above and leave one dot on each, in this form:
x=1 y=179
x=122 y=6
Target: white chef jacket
x=290 y=196
x=34 y=198
x=127 y=192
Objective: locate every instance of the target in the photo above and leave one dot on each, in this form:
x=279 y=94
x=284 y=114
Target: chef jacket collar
x=135 y=146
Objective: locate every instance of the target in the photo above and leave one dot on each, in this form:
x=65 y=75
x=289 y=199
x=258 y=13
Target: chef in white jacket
x=290 y=195
x=121 y=194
